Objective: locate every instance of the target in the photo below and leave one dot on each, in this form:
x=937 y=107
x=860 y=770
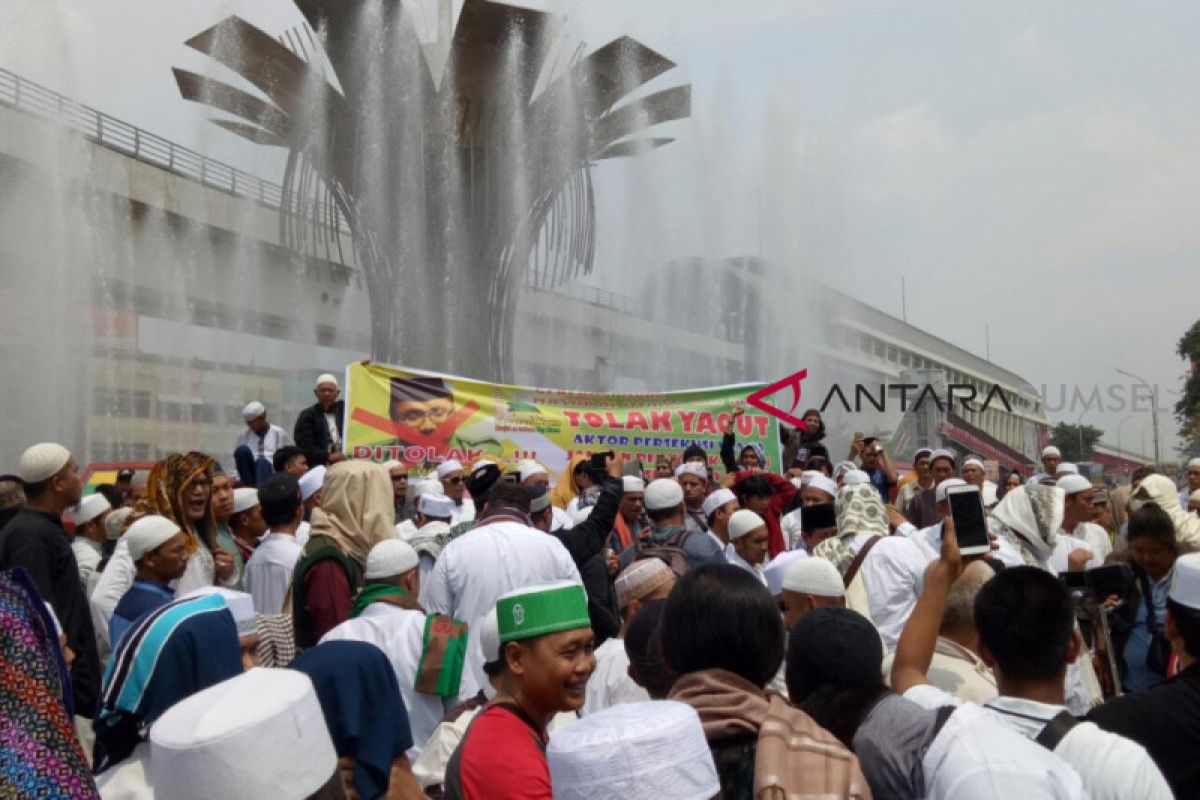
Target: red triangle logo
x=759 y=399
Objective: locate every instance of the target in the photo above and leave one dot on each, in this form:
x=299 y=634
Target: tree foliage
x=1066 y=438
x=1187 y=409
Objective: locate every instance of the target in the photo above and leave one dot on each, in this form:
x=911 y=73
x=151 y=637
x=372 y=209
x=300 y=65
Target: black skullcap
x=482 y=479
x=279 y=493
x=816 y=517
x=416 y=390
x=833 y=647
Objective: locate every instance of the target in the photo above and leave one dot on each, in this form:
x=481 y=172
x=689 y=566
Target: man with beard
x=545 y=661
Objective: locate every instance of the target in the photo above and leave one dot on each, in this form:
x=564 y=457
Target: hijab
x=169 y=654
x=1034 y=514
x=363 y=708
x=39 y=753
x=356 y=508
x=859 y=509
x=566 y=489
x=169 y=482
x=1160 y=490
x=755 y=448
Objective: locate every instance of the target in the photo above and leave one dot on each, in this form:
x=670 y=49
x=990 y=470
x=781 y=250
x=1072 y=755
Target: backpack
x=670 y=552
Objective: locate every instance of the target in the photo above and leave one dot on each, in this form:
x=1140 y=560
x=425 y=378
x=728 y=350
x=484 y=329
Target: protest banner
x=423 y=418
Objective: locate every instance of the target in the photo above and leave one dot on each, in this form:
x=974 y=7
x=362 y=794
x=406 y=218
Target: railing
x=28 y=97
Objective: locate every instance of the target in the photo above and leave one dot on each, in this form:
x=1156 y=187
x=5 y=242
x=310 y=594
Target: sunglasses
x=398 y=478
x=457 y=479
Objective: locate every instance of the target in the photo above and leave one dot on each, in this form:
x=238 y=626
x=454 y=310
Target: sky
x=1031 y=169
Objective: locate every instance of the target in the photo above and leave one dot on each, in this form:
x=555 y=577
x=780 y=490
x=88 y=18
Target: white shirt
x=560 y=520
x=463 y=513
x=335 y=438
x=127 y=780
x=976 y=756
x=269 y=571
x=1096 y=539
x=1064 y=545
x=756 y=570
x=892 y=573
x=400 y=634
x=303 y=531
x=1111 y=766
x=264 y=446
x=789 y=523
x=485 y=562
x=610 y=684
x=87 y=557
x=930 y=541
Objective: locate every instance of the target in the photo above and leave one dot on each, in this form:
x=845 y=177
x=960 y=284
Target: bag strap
x=1056 y=729
x=859 y=557
x=941 y=716
x=678 y=539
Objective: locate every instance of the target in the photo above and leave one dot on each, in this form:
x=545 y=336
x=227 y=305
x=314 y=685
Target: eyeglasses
x=412 y=416
x=457 y=479
x=398 y=478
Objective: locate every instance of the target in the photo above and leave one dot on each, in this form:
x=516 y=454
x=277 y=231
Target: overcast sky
x=1029 y=166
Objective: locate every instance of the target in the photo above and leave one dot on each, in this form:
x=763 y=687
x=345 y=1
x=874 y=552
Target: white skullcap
x=240 y=605
x=89 y=508
x=259 y=734
x=632 y=483
x=392 y=464
x=653 y=750
x=1051 y=451
x=975 y=461
x=939 y=494
x=312 y=481
x=692 y=468
x=742 y=522
x=1067 y=467
x=148 y=533
x=580 y=514
x=855 y=477
x=816 y=576
x=797 y=482
x=42 y=461
x=435 y=505
x=115 y=521
x=826 y=485
x=808 y=474
x=326 y=378
x=1194 y=463
x=1185 y=586
x=778 y=567
x=715 y=500
x=244 y=499
x=446 y=467
x=640 y=579
x=941 y=452
x=1073 y=484
x=922 y=451
x=389 y=558
x=489 y=637
x=253 y=411
x=663 y=493
x=428 y=486
x=527 y=469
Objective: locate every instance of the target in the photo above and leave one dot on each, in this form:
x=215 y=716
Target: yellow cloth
x=356 y=508
x=566 y=490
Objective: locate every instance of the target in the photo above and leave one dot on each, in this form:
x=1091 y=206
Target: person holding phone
x=873 y=460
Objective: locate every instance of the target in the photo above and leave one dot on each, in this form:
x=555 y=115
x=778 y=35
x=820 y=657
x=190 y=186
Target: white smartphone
x=966 y=508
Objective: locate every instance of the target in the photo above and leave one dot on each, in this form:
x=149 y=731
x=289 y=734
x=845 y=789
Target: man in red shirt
x=545 y=662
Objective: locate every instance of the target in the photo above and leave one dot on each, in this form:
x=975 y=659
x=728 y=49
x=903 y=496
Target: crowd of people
x=322 y=627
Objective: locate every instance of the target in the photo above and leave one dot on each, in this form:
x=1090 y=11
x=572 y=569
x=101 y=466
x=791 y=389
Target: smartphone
x=966 y=508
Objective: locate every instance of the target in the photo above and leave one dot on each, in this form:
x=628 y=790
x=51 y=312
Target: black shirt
x=1166 y=721
x=36 y=541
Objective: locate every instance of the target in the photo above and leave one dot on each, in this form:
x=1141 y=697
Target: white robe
x=400 y=634
x=463 y=513
x=127 y=780
x=610 y=683
x=269 y=571
x=756 y=570
x=87 y=558
x=493 y=558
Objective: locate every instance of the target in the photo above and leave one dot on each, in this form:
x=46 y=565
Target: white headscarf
x=1034 y=514
x=1160 y=490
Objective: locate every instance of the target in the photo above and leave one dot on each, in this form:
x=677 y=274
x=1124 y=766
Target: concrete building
x=145 y=290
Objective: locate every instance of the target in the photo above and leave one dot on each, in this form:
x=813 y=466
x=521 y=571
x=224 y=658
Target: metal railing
x=31 y=98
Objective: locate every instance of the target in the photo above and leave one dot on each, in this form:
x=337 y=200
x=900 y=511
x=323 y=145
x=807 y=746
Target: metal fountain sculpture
x=455 y=194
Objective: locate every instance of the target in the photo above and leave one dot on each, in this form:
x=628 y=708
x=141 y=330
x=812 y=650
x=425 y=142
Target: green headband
x=540 y=612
